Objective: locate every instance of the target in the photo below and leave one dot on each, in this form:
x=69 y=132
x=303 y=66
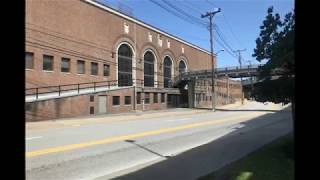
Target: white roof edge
x=93 y=2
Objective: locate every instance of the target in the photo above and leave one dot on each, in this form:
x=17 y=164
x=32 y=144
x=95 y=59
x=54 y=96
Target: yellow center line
x=132 y=136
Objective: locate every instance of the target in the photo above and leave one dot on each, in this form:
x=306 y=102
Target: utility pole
x=239 y=56
x=213 y=92
x=251 y=79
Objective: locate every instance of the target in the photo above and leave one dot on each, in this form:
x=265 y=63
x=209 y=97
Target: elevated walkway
x=232 y=72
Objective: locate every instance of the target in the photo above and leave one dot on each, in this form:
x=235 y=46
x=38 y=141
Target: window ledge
x=29 y=69
x=47 y=71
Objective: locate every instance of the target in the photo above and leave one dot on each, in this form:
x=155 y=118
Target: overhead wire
x=227 y=23
x=175 y=13
x=195 y=19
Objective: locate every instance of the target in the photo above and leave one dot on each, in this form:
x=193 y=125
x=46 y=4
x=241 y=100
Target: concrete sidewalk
x=203 y=160
x=105 y=118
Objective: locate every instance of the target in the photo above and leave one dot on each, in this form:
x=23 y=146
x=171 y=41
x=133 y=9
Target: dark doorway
x=173 y=100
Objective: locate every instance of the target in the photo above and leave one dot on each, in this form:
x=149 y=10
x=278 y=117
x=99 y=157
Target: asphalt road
x=112 y=149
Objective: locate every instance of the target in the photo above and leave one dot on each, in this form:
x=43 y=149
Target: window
x=182 y=67
x=155 y=97
x=29 y=60
x=81 y=67
x=138 y=97
x=65 y=65
x=124 y=66
x=106 y=70
x=91 y=110
x=127 y=100
x=167 y=72
x=94 y=68
x=115 y=100
x=146 y=98
x=91 y=98
x=47 y=63
x=148 y=69
x=162 y=97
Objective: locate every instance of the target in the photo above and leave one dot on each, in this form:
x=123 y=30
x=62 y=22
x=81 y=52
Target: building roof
x=130 y=18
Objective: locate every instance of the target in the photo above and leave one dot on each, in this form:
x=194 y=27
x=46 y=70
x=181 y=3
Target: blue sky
x=238 y=21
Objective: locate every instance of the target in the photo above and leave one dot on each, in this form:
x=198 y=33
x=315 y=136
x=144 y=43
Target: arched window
x=124 y=65
x=167 y=71
x=182 y=67
x=148 y=69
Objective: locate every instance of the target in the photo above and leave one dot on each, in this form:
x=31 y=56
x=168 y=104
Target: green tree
x=276 y=45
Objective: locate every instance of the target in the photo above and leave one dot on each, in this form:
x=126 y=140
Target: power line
x=228 y=48
x=227 y=23
x=184 y=13
x=186 y=4
x=230 y=28
x=225 y=48
x=191 y=19
x=219 y=33
x=175 y=13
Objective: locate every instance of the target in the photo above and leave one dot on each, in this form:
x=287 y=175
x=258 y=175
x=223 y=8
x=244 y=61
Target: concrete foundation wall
x=80 y=105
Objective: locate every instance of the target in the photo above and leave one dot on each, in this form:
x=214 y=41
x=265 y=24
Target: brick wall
x=80 y=31
x=204 y=93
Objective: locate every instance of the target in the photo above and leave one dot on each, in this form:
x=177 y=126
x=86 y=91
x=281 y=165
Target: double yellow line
x=133 y=136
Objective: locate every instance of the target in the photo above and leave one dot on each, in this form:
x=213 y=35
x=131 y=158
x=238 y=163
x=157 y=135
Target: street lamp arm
x=216 y=54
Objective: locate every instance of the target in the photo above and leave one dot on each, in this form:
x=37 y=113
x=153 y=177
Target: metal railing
x=69 y=87
x=237 y=68
x=220 y=71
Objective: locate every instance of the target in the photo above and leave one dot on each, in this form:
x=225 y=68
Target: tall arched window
x=124 y=65
x=182 y=67
x=148 y=69
x=167 y=71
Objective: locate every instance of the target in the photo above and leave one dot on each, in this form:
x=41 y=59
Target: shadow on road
x=149 y=150
x=239 y=141
x=261 y=110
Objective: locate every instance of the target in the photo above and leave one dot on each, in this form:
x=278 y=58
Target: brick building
x=81 y=41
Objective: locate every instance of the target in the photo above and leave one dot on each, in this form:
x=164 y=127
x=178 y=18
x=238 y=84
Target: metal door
x=102 y=100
